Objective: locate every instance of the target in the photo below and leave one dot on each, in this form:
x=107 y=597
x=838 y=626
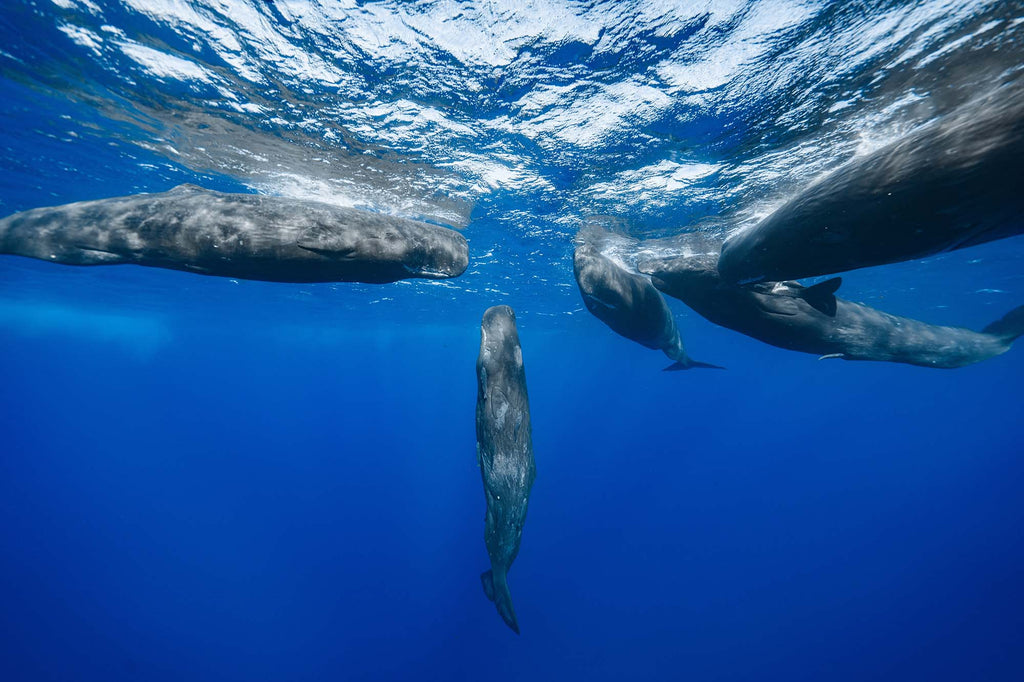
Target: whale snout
x=442 y=257
x=654 y=266
x=647 y=267
x=499 y=324
x=499 y=318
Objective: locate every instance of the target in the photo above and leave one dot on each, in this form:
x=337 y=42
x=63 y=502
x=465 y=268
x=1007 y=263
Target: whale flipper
x=778 y=305
x=822 y=296
x=497 y=591
x=1010 y=326
x=96 y=256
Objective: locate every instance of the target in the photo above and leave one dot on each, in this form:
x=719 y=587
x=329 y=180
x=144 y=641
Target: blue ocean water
x=211 y=479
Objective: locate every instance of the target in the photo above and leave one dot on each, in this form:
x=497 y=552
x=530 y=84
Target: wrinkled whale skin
x=504 y=450
x=244 y=236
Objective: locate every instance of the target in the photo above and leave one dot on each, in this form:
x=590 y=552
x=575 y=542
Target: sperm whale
x=812 y=320
x=630 y=305
x=245 y=236
x=504 y=450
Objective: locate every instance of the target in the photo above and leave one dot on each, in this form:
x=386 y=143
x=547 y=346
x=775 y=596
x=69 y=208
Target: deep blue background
x=240 y=501
x=210 y=480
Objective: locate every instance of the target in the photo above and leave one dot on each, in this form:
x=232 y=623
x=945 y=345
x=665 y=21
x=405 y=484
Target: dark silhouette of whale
x=812 y=320
x=952 y=183
x=237 y=235
x=630 y=305
x=504 y=448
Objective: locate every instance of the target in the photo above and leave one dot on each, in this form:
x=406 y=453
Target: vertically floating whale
x=504 y=449
x=955 y=182
x=629 y=304
x=237 y=235
x=812 y=320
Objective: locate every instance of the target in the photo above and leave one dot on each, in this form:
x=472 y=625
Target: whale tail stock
x=496 y=589
x=1009 y=326
x=677 y=352
x=687 y=363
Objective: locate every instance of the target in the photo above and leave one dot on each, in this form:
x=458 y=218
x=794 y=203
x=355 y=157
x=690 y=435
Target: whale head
x=404 y=248
x=607 y=289
x=439 y=254
x=499 y=343
x=497 y=328
x=686 y=273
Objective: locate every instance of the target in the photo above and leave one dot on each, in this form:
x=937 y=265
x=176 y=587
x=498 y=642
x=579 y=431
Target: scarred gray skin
x=237 y=235
x=629 y=304
x=776 y=313
x=955 y=182
x=504 y=449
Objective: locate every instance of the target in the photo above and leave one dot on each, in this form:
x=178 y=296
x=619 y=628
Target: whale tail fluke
x=1010 y=326
x=677 y=352
x=690 y=364
x=497 y=591
x=822 y=296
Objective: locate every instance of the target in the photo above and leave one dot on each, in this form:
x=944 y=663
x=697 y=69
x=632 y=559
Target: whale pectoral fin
x=776 y=305
x=99 y=256
x=822 y=297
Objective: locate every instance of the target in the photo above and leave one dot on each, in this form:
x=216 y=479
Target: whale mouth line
x=597 y=301
x=426 y=272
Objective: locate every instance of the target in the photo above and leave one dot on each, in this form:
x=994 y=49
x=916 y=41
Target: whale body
x=245 y=236
x=955 y=182
x=629 y=304
x=504 y=450
x=811 y=320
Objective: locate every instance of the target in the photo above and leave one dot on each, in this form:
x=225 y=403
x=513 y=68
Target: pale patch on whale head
x=501 y=413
